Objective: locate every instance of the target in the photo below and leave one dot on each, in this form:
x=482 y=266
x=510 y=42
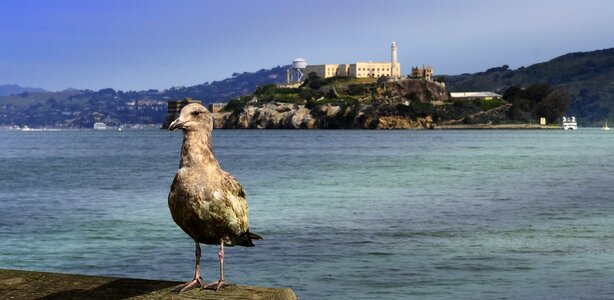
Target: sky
x=158 y=44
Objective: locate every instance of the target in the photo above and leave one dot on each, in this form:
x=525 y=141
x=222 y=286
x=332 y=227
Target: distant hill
x=81 y=108
x=13 y=89
x=238 y=84
x=587 y=76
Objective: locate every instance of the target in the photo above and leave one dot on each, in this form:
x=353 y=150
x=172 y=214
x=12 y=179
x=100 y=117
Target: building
x=474 y=96
x=215 y=107
x=424 y=73
x=174 y=109
x=359 y=69
x=356 y=70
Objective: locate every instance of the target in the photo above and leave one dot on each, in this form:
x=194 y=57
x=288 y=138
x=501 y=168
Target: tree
x=314 y=81
x=540 y=100
x=553 y=106
x=512 y=94
x=265 y=89
x=537 y=92
x=305 y=93
x=515 y=112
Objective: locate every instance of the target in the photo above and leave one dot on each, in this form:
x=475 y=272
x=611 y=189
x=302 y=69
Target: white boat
x=570 y=123
x=605 y=126
x=100 y=125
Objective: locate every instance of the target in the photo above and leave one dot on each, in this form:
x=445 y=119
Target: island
x=343 y=102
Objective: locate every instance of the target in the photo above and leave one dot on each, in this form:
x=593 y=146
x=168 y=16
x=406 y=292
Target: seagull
x=205 y=201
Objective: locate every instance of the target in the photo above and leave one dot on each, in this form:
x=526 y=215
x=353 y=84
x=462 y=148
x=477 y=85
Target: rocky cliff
x=275 y=115
x=414 y=90
x=270 y=115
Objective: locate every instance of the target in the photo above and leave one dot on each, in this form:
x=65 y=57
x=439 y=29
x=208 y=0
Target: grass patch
x=487 y=105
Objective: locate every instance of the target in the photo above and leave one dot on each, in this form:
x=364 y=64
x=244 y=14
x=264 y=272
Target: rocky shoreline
x=274 y=115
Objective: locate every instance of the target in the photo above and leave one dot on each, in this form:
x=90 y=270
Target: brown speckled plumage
x=205 y=201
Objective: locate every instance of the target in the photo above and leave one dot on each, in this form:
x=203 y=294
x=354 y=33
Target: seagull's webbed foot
x=216 y=285
x=190 y=285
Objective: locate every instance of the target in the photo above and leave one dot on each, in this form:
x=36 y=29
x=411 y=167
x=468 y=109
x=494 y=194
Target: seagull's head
x=193 y=117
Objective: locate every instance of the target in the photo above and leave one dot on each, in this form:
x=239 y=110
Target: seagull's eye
x=196 y=113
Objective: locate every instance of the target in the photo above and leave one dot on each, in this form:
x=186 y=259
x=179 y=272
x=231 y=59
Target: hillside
x=587 y=76
x=81 y=108
x=238 y=84
x=13 y=89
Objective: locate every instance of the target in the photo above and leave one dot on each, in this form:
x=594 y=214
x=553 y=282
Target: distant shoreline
x=499 y=126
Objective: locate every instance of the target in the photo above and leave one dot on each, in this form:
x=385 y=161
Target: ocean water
x=347 y=214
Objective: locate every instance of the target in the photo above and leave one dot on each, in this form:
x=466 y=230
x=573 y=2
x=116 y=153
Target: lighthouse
x=393 y=61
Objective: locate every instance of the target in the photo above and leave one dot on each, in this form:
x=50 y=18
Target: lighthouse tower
x=393 y=61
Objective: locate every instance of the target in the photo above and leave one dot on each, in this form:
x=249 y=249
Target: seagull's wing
x=171 y=194
x=234 y=198
x=233 y=185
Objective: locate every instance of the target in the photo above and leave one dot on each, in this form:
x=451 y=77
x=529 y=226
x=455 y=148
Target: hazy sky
x=135 y=45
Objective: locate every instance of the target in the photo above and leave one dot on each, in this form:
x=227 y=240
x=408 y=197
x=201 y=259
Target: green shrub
x=234 y=104
x=286 y=98
x=305 y=93
x=414 y=110
x=265 y=89
x=356 y=89
x=486 y=105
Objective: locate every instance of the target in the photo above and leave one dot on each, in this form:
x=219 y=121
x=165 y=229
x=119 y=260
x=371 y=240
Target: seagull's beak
x=175 y=124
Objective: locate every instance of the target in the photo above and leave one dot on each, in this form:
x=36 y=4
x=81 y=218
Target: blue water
x=345 y=214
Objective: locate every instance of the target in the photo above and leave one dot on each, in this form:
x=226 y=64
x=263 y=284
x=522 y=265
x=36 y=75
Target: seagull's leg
x=197 y=278
x=216 y=285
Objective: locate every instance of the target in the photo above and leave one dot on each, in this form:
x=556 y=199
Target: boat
x=100 y=125
x=605 y=126
x=570 y=123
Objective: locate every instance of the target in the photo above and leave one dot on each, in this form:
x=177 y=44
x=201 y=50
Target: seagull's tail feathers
x=246 y=239
x=254 y=236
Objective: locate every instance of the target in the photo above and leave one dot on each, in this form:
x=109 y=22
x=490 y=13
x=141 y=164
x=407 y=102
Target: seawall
x=17 y=284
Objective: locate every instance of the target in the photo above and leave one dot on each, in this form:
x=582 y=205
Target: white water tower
x=296 y=73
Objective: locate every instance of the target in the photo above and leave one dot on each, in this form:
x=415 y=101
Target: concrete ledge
x=16 y=284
